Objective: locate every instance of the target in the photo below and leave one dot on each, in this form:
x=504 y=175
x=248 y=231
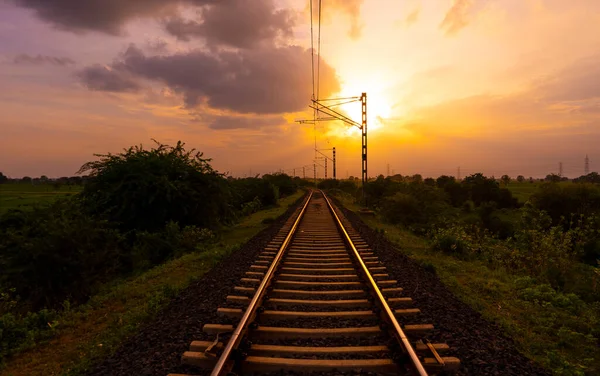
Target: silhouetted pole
x=363 y=100
x=334 y=175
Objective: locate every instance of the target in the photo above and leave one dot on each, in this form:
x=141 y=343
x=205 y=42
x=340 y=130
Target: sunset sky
x=493 y=86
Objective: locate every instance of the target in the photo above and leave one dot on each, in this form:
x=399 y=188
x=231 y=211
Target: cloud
x=237 y=23
x=412 y=17
x=244 y=122
x=457 y=17
x=107 y=16
x=577 y=82
x=332 y=8
x=42 y=59
x=264 y=80
x=102 y=78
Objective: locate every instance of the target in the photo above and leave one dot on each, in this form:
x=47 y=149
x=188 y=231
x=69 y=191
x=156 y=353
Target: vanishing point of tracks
x=317 y=299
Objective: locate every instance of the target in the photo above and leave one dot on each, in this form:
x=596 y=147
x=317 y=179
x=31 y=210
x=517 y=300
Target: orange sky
x=509 y=86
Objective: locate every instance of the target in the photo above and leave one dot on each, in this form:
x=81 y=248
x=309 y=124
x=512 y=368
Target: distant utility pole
x=303 y=172
x=315 y=172
x=334 y=167
x=388 y=169
x=458 y=173
x=587 y=165
x=560 y=169
x=294 y=172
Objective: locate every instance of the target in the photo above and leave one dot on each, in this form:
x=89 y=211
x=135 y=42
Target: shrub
x=144 y=189
x=56 y=252
x=19 y=332
x=248 y=189
x=152 y=248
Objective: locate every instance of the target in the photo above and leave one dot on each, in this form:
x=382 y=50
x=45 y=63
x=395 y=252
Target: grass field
x=95 y=329
x=25 y=196
x=522 y=191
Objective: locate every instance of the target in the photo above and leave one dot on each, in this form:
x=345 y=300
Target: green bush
x=144 y=189
x=53 y=253
x=19 y=332
x=250 y=189
x=153 y=248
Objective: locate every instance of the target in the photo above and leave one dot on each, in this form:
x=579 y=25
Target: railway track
x=317 y=299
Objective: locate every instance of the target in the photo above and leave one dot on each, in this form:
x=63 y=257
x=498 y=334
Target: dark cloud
x=457 y=17
x=262 y=80
x=237 y=23
x=101 y=78
x=156 y=45
x=42 y=59
x=106 y=16
x=238 y=122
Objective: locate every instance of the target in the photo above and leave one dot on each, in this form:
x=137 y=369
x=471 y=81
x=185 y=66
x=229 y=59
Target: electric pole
x=560 y=169
x=363 y=101
x=303 y=172
x=587 y=165
x=388 y=169
x=334 y=169
x=458 y=173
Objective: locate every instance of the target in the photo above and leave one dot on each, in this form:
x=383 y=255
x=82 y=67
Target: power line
x=319 y=52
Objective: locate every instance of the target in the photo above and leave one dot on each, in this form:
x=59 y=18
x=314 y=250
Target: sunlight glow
x=378 y=105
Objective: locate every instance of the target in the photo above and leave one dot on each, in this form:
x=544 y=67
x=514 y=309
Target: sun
x=379 y=106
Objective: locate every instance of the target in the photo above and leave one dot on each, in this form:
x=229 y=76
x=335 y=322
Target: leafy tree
x=417 y=178
x=592 y=177
x=520 y=178
x=444 y=180
x=429 y=181
x=554 y=178
x=26 y=179
x=3 y=178
x=144 y=189
x=44 y=179
x=505 y=179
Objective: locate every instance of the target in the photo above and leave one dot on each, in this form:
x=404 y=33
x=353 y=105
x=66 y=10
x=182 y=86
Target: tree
x=554 y=178
x=429 y=181
x=144 y=189
x=417 y=178
x=44 y=179
x=520 y=178
x=26 y=179
x=3 y=178
x=505 y=179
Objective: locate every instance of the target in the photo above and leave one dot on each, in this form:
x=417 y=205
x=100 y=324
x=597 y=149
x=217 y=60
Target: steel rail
x=250 y=313
x=398 y=332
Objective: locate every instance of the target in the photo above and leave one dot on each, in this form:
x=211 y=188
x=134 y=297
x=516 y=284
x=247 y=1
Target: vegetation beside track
x=90 y=331
x=531 y=269
x=137 y=209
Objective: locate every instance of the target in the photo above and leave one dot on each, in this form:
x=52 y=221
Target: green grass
x=25 y=196
x=522 y=191
x=546 y=326
x=96 y=329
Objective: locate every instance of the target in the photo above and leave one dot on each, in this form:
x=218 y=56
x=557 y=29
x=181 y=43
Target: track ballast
x=318 y=300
